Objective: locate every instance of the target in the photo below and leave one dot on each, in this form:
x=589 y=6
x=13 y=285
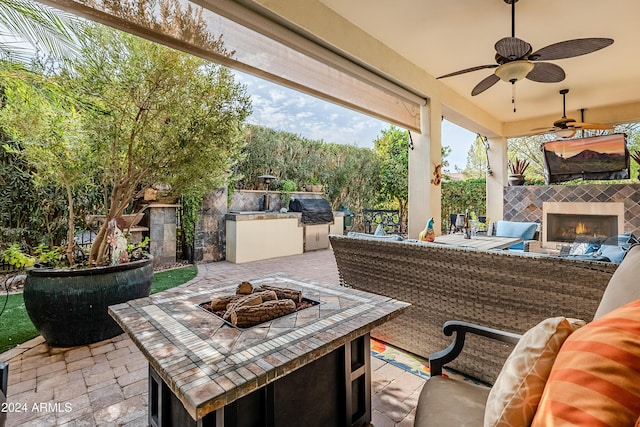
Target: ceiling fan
x=567 y=127
x=515 y=60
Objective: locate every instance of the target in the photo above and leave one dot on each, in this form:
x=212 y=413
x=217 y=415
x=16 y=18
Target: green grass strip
x=168 y=279
x=16 y=327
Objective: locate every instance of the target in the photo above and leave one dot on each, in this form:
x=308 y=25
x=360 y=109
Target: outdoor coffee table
x=308 y=368
x=478 y=242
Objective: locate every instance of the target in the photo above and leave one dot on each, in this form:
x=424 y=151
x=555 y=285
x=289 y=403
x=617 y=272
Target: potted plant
x=130 y=114
x=285 y=188
x=517 y=168
x=314 y=185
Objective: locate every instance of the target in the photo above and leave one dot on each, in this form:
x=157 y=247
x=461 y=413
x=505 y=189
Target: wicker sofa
x=499 y=289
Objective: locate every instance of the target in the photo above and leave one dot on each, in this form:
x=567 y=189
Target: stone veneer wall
x=162 y=233
x=251 y=200
x=524 y=203
x=210 y=236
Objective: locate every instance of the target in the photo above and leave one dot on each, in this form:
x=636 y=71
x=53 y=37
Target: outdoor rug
x=403 y=360
x=410 y=362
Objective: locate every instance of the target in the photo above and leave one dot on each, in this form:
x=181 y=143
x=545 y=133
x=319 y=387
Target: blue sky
x=285 y=109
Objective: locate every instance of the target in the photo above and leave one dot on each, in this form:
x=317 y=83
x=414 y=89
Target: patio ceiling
x=411 y=41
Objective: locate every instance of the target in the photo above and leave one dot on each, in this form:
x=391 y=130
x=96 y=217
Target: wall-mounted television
x=598 y=157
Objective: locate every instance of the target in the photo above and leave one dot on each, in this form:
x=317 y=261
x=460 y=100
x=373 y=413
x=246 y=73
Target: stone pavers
x=105 y=384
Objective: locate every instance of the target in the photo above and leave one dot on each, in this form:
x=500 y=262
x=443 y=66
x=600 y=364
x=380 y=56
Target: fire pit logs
x=250 y=305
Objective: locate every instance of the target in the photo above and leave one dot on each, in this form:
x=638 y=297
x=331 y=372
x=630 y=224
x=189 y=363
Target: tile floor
x=105 y=384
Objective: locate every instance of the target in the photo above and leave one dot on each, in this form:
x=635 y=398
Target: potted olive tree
x=133 y=114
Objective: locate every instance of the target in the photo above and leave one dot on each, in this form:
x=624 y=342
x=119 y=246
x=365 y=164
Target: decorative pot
x=314 y=188
x=516 y=179
x=70 y=307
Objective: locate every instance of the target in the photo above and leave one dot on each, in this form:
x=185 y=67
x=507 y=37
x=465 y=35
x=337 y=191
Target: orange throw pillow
x=595 y=380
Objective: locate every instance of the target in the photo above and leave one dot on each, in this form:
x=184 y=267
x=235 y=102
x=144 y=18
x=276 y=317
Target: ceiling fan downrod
x=564 y=92
x=513 y=16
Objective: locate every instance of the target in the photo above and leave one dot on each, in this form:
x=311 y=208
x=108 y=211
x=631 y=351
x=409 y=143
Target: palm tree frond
x=41 y=26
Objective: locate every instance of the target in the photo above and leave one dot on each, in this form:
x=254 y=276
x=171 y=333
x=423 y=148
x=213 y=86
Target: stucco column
x=424 y=197
x=495 y=184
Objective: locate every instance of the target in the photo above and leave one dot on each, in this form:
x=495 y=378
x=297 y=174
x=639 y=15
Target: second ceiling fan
x=566 y=127
x=515 y=60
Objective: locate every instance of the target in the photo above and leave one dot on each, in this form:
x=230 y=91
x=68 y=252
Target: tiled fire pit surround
x=208 y=365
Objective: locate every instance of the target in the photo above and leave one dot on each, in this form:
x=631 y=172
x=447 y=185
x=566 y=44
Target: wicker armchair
x=441 y=394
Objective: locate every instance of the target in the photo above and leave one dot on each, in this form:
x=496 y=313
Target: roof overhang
x=396 y=49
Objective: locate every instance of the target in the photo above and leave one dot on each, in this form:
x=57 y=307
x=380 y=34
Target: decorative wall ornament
x=486 y=152
x=437 y=175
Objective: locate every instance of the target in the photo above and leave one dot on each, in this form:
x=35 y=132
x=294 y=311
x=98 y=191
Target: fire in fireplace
x=566 y=222
x=568 y=228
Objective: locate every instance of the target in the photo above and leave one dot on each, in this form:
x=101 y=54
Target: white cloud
x=288 y=110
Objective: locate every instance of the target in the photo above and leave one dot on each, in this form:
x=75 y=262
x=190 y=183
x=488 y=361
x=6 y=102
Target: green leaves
x=349 y=174
x=40 y=26
x=463 y=196
x=14 y=256
x=129 y=114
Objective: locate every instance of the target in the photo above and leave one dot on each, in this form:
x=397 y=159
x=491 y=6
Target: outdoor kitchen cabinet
x=316 y=237
x=253 y=236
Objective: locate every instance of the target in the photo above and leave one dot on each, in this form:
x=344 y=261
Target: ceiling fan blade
x=544 y=130
x=592 y=126
x=485 y=84
x=546 y=72
x=570 y=48
x=468 y=70
x=512 y=48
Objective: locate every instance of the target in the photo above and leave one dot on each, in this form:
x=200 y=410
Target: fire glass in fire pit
x=251 y=306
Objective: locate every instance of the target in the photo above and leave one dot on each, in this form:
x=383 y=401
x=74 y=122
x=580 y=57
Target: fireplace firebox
x=566 y=222
x=568 y=228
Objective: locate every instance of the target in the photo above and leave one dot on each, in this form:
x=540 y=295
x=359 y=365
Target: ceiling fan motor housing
x=563 y=122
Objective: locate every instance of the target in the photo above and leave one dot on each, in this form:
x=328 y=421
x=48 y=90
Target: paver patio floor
x=105 y=384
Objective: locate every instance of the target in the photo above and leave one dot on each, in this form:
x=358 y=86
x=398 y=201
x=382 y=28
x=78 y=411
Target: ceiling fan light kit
x=565 y=133
x=513 y=71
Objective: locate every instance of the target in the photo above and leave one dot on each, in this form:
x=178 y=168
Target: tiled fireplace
x=576 y=210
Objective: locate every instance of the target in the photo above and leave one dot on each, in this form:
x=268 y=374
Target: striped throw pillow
x=595 y=380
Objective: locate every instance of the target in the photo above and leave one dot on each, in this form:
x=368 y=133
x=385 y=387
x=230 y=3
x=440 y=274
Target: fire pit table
x=308 y=368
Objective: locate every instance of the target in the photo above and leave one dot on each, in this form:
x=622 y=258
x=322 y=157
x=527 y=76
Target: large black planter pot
x=69 y=307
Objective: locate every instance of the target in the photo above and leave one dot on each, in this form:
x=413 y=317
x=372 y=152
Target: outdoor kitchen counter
x=298 y=364
x=260 y=215
x=252 y=236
